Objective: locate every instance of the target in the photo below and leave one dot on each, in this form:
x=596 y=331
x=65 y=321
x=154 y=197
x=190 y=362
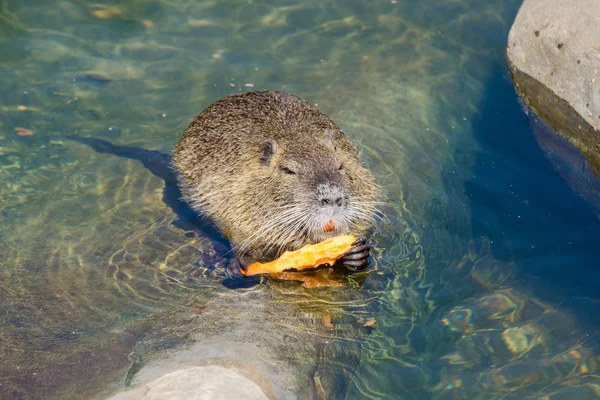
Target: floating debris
x=23 y=131
x=21 y=108
x=106 y=12
x=199 y=310
x=147 y=23
x=370 y=322
x=249 y=84
x=199 y=23
x=327 y=321
x=5 y=150
x=97 y=78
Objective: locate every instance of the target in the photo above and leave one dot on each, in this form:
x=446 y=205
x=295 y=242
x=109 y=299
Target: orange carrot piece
x=309 y=256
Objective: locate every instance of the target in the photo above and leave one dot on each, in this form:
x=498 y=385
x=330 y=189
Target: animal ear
x=267 y=154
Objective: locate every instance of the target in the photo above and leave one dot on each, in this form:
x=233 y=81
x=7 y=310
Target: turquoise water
x=483 y=282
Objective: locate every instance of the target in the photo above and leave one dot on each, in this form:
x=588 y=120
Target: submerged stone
x=200 y=382
x=553 y=56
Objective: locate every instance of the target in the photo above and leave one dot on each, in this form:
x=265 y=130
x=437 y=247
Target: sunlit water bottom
x=102 y=285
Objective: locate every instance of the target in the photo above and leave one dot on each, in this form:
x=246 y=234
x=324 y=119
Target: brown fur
x=228 y=172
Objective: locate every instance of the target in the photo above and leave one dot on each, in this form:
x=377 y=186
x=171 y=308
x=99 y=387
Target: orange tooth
x=329 y=226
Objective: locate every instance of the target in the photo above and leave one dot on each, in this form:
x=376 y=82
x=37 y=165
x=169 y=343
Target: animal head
x=318 y=185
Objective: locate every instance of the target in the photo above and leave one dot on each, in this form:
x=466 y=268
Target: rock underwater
x=554 y=57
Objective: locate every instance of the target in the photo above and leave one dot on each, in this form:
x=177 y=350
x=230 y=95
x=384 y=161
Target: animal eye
x=288 y=171
x=341 y=167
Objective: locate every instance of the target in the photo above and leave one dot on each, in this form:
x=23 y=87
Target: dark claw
x=234 y=269
x=357 y=258
x=236 y=280
x=358 y=249
x=359 y=241
x=355 y=265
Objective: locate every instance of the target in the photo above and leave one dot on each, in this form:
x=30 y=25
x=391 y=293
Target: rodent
x=274 y=173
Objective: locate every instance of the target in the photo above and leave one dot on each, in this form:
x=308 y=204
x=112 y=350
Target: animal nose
x=326 y=201
x=330 y=195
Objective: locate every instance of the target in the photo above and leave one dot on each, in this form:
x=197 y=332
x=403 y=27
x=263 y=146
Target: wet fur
x=231 y=164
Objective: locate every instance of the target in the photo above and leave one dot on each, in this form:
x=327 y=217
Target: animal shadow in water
x=160 y=165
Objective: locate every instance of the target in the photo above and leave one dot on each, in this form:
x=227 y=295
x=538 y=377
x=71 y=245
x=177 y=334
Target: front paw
x=357 y=258
x=234 y=269
x=237 y=280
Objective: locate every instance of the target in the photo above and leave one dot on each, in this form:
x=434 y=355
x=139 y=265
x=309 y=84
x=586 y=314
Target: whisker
x=291 y=232
x=268 y=225
x=286 y=234
x=273 y=224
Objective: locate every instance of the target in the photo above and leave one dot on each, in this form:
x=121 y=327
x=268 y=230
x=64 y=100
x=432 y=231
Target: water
x=483 y=283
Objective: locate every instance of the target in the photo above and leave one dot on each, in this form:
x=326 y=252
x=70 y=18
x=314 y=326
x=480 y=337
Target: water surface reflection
x=104 y=285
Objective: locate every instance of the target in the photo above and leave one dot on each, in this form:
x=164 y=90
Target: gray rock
x=242 y=344
x=568 y=162
x=554 y=55
x=205 y=382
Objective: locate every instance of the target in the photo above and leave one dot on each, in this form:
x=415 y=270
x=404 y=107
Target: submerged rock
x=200 y=382
x=554 y=56
x=239 y=344
x=556 y=43
x=568 y=162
